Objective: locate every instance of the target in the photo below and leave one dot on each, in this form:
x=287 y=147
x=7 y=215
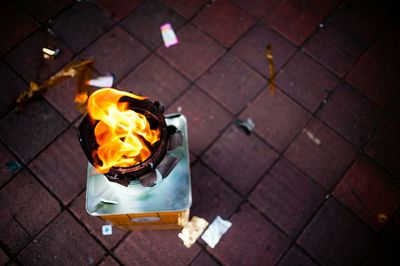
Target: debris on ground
x=13 y=166
x=192 y=231
x=102 y=81
x=311 y=136
x=271 y=69
x=106 y=229
x=215 y=231
x=247 y=125
x=168 y=35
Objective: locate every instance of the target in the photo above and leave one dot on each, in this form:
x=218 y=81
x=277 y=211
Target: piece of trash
x=215 y=231
x=321 y=25
x=311 y=136
x=13 y=166
x=50 y=53
x=168 y=35
x=382 y=218
x=106 y=229
x=271 y=69
x=102 y=82
x=247 y=125
x=179 y=109
x=192 y=231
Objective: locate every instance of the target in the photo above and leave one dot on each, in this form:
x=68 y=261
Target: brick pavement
x=316 y=183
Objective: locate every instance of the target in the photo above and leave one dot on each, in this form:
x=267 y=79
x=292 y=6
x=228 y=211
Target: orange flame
x=121 y=133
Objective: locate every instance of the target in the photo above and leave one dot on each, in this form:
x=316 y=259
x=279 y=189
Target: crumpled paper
x=192 y=231
x=215 y=231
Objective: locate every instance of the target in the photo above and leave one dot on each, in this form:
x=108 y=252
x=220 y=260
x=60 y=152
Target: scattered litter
x=50 y=53
x=327 y=196
x=321 y=25
x=168 y=35
x=192 y=231
x=247 y=125
x=382 y=218
x=102 y=82
x=13 y=166
x=215 y=231
x=106 y=229
x=271 y=69
x=311 y=136
x=179 y=109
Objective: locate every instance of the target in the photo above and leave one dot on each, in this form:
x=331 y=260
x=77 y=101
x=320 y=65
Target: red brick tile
x=351 y=114
x=224 y=21
x=119 y=9
x=155 y=247
x=62 y=98
x=29 y=131
x=156 y=79
x=3 y=257
x=80 y=25
x=116 y=52
x=6 y=157
x=13 y=17
x=335 y=49
x=185 y=8
x=385 y=145
x=239 y=245
x=306 y=81
x=194 y=53
x=382 y=254
x=94 y=224
x=211 y=197
x=232 y=83
x=62 y=166
x=326 y=162
x=296 y=257
x=331 y=236
x=257 y=8
x=360 y=188
x=63 y=242
x=376 y=73
x=109 y=261
x=29 y=203
x=277 y=118
x=206 y=119
x=45 y=9
x=294 y=19
x=144 y=23
x=204 y=259
x=12 y=235
x=27 y=58
x=251 y=49
x=240 y=159
x=287 y=197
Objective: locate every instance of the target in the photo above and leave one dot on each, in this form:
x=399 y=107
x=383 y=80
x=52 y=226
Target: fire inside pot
x=125 y=136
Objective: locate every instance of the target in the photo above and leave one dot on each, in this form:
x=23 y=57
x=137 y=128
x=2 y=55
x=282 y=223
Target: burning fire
x=123 y=135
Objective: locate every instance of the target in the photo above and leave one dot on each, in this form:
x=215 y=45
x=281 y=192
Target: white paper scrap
x=106 y=229
x=102 y=82
x=192 y=231
x=215 y=231
x=168 y=35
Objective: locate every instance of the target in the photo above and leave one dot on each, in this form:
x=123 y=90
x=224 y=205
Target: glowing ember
x=123 y=135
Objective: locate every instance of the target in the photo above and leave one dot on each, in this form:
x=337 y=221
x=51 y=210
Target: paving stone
x=63 y=242
x=206 y=119
x=376 y=73
x=232 y=83
x=325 y=162
x=287 y=197
x=3 y=257
x=391 y=231
x=277 y=118
x=80 y=25
x=62 y=98
x=156 y=79
x=294 y=19
x=382 y=254
x=324 y=8
x=45 y=9
x=211 y=197
x=109 y=261
x=385 y=145
x=144 y=23
x=240 y=159
x=185 y=8
x=224 y=21
x=27 y=58
x=306 y=81
x=28 y=208
x=125 y=54
x=94 y=224
x=119 y=9
x=250 y=241
x=251 y=49
x=331 y=235
x=29 y=131
x=335 y=49
x=14 y=17
x=7 y=171
x=204 y=259
x=296 y=257
x=360 y=188
x=194 y=54
x=351 y=114
x=155 y=247
x=257 y=8
x=62 y=166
